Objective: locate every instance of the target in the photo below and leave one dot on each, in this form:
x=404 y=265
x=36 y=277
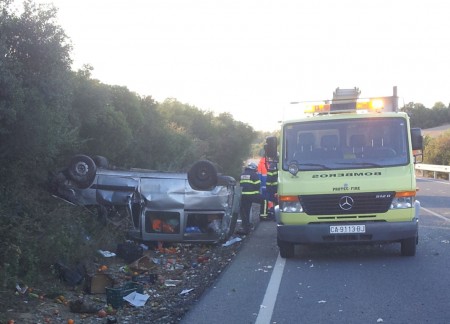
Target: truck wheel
x=202 y=175
x=287 y=250
x=82 y=170
x=408 y=246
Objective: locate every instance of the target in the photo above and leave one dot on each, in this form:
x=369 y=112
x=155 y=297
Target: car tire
x=287 y=249
x=408 y=246
x=82 y=170
x=202 y=175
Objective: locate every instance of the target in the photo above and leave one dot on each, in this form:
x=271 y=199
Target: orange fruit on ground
x=101 y=313
x=70 y=321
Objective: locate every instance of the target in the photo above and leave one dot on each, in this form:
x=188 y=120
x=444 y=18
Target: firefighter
x=272 y=189
x=251 y=186
x=262 y=171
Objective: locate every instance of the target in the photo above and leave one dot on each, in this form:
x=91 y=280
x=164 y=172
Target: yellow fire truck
x=346 y=173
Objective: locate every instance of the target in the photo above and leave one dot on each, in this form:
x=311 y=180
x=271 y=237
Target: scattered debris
x=21 y=290
x=107 y=254
x=72 y=276
x=136 y=299
x=82 y=306
x=172 y=283
x=232 y=241
x=194 y=267
x=186 y=291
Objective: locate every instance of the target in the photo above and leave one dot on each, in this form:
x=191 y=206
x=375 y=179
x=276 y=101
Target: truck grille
x=347 y=204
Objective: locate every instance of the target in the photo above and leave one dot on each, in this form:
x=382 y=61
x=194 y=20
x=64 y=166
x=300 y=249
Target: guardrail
x=434 y=168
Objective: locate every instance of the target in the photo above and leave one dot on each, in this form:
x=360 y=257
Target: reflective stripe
x=256 y=182
x=250 y=193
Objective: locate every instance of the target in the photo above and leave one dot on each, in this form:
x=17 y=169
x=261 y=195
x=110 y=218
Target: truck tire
x=287 y=249
x=408 y=246
x=202 y=175
x=82 y=170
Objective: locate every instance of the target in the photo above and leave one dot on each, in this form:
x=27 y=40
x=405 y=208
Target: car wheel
x=287 y=250
x=82 y=170
x=408 y=246
x=202 y=175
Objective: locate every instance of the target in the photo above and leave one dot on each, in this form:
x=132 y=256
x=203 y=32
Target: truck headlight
x=403 y=200
x=290 y=204
x=291 y=207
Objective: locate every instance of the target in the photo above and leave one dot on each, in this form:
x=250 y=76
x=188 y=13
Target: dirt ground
x=174 y=277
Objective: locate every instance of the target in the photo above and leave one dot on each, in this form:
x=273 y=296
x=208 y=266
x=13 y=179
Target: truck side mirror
x=417 y=144
x=416 y=139
x=270 y=148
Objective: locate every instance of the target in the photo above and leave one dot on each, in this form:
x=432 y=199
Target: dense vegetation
x=437 y=149
x=48 y=113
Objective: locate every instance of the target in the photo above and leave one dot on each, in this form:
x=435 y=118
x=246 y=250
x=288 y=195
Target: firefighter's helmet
x=252 y=165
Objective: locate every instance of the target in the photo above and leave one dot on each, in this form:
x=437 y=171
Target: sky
x=252 y=58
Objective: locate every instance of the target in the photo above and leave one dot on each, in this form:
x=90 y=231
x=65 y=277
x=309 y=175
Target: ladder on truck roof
x=348 y=95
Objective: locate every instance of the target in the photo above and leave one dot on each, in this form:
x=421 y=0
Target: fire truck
x=346 y=173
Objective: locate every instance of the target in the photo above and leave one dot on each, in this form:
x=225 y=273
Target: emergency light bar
x=344 y=101
x=382 y=104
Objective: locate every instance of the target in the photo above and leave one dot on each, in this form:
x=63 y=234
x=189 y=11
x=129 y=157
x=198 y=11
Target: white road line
x=268 y=304
x=435 y=214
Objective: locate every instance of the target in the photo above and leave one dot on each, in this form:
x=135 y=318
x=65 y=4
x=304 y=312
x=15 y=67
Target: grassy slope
x=436 y=131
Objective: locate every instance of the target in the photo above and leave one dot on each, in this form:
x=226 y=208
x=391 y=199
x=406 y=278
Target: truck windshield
x=355 y=143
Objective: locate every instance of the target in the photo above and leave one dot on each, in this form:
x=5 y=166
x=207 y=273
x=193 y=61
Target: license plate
x=346 y=229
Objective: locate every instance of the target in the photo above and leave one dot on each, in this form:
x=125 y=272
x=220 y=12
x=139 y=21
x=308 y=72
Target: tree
x=440 y=114
x=220 y=139
x=36 y=84
x=102 y=119
x=427 y=118
x=231 y=143
x=35 y=96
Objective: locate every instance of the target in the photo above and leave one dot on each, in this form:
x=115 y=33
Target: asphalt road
x=338 y=284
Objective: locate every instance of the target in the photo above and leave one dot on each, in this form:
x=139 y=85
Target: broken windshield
x=346 y=143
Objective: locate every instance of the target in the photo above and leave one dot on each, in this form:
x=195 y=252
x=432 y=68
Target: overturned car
x=199 y=205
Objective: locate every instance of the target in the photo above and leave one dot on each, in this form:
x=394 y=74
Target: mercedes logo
x=346 y=202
